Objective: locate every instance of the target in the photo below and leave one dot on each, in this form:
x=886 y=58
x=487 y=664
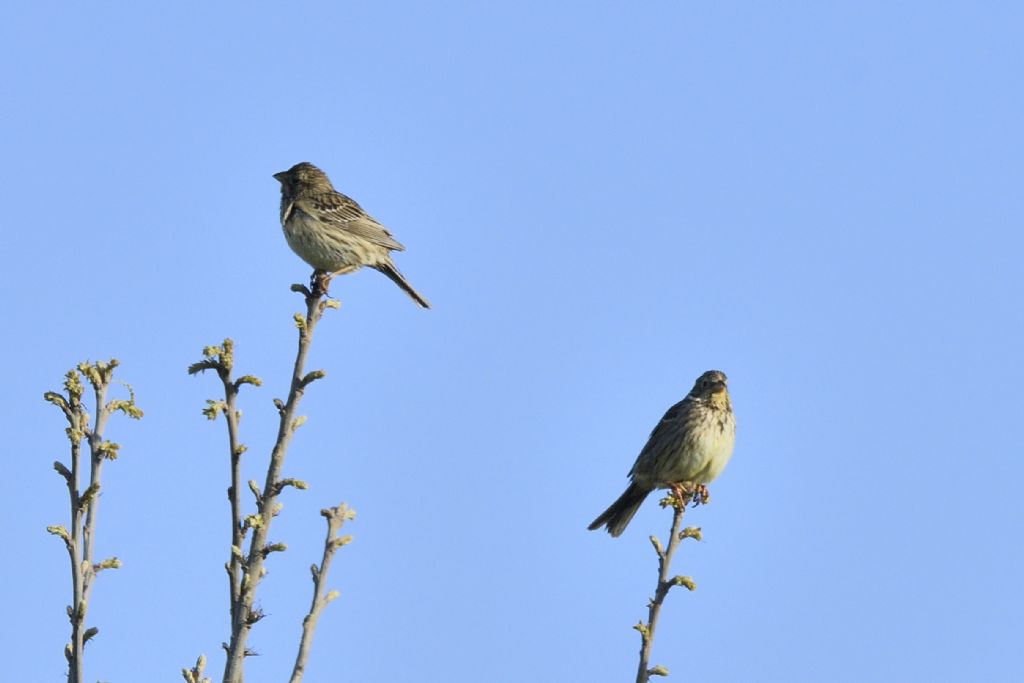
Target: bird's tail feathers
x=389 y=269
x=618 y=514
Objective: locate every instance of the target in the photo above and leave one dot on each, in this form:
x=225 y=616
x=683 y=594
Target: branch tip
x=290 y=481
x=684 y=581
x=60 y=530
x=127 y=407
x=89 y=494
x=62 y=470
x=203 y=366
x=108 y=450
x=248 y=379
x=339 y=542
x=109 y=563
x=195 y=674
x=312 y=376
x=59 y=401
x=274 y=548
x=213 y=407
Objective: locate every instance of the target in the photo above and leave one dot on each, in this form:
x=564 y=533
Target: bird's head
x=711 y=386
x=303 y=176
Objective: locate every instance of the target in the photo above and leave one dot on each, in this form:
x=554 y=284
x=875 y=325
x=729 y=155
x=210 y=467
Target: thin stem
x=84 y=506
x=643 y=673
x=84 y=572
x=74 y=652
x=235 y=492
x=252 y=570
x=195 y=674
x=222 y=359
x=96 y=467
x=336 y=517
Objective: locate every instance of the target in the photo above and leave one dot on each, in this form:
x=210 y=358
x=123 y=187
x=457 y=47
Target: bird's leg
x=701 y=495
x=319 y=281
x=316 y=281
x=683 y=491
x=687 y=491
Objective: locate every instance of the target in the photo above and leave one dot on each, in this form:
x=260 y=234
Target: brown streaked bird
x=688 y=448
x=331 y=232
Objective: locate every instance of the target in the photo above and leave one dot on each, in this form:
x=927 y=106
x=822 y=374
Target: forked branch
x=84 y=505
x=246 y=567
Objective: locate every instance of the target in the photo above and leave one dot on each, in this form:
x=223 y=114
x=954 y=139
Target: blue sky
x=601 y=200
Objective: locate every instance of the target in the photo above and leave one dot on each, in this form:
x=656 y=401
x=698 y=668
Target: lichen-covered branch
x=336 y=517
x=85 y=504
x=665 y=555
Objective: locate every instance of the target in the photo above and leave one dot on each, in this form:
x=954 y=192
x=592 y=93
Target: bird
x=331 y=232
x=688 y=448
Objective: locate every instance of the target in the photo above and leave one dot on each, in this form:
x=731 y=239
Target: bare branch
x=246 y=570
x=79 y=539
x=62 y=470
x=312 y=377
x=195 y=674
x=647 y=630
x=296 y=483
x=336 y=518
x=222 y=360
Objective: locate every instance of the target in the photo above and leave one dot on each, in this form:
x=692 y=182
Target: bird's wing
x=666 y=431
x=343 y=212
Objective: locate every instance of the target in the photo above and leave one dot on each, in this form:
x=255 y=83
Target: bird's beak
x=279 y=177
x=718 y=388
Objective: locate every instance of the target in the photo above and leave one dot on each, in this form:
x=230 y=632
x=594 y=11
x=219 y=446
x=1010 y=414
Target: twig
x=665 y=583
x=85 y=505
x=336 y=517
x=246 y=570
x=195 y=674
x=222 y=360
